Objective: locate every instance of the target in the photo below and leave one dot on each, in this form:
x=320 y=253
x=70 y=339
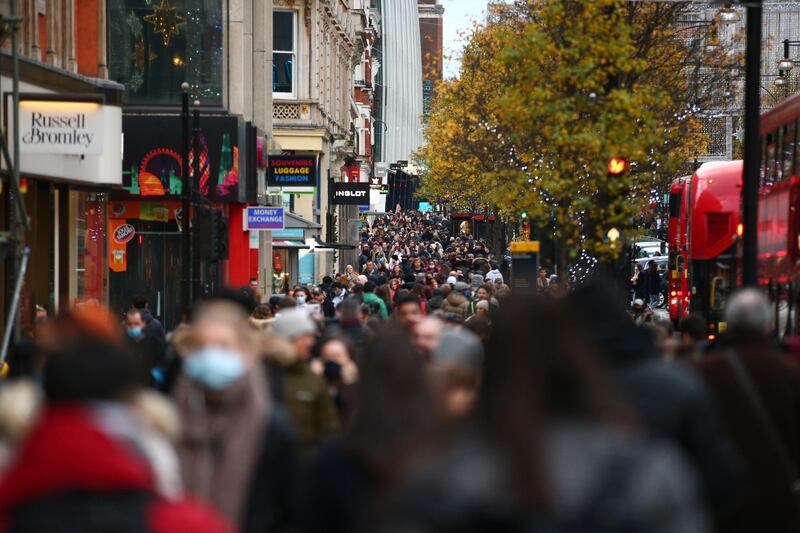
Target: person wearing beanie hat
x=477 y=281
x=461 y=287
x=305 y=394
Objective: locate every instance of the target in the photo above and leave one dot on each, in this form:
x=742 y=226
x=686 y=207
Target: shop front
x=293 y=258
x=70 y=141
x=145 y=250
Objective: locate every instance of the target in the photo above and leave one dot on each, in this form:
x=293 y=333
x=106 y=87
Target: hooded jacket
x=69 y=475
x=456 y=304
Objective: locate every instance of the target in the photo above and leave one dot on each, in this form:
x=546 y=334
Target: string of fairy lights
x=188 y=40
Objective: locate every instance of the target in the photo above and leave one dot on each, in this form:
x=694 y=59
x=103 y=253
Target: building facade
x=321 y=112
x=64 y=181
x=222 y=51
x=431 y=30
x=401 y=80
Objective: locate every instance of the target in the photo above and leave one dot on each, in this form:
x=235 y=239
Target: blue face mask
x=214 y=367
x=135 y=332
x=301 y=300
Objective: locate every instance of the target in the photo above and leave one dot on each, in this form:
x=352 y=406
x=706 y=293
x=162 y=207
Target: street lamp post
x=751 y=143
x=186 y=255
x=786 y=63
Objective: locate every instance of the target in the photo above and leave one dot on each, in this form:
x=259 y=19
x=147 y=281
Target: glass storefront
x=88 y=268
x=280 y=271
x=159 y=44
x=145 y=258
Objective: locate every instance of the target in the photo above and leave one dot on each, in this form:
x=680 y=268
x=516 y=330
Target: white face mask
x=214 y=367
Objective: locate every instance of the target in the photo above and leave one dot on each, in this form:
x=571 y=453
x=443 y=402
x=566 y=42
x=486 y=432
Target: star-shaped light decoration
x=165 y=21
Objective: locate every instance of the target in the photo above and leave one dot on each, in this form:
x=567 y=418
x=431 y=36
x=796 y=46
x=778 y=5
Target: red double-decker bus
x=703 y=232
x=677 y=241
x=779 y=213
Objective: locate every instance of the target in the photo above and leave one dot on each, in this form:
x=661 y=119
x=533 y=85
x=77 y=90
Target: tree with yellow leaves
x=549 y=92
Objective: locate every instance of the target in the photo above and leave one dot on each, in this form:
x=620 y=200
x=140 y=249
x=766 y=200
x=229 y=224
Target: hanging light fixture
x=728 y=15
x=781 y=80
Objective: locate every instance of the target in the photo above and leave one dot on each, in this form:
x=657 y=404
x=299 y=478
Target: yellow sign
x=155 y=213
x=524 y=247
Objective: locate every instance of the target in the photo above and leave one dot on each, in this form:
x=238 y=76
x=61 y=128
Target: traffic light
x=617 y=165
x=524 y=215
x=212 y=234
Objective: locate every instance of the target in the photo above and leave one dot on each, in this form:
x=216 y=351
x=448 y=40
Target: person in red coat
x=86 y=464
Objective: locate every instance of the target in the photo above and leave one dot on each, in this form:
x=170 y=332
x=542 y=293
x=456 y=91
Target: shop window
x=156 y=45
x=88 y=265
x=280 y=271
x=284 y=53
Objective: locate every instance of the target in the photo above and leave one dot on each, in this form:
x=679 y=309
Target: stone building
x=319 y=46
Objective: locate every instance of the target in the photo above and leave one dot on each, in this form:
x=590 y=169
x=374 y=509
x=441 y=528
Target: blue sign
x=264 y=218
x=425 y=206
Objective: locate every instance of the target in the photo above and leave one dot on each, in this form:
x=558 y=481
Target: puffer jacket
x=456 y=304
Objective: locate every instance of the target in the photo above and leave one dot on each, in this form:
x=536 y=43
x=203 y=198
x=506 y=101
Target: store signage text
x=56 y=127
x=264 y=219
x=124 y=234
x=350 y=193
x=292 y=171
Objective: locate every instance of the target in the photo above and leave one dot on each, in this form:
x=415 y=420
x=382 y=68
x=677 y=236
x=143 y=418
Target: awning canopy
x=289 y=244
x=332 y=245
x=294 y=220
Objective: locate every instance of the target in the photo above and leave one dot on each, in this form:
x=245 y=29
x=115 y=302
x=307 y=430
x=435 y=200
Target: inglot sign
x=350 y=193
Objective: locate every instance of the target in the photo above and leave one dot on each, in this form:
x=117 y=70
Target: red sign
x=124 y=234
x=353 y=173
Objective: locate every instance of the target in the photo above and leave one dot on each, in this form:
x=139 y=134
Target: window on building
x=284 y=53
x=155 y=46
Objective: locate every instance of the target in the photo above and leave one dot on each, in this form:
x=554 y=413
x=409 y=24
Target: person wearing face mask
x=150 y=348
x=305 y=394
x=91 y=462
x=236 y=451
x=301 y=296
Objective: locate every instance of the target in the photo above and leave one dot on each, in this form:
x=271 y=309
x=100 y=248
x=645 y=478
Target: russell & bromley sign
x=60 y=127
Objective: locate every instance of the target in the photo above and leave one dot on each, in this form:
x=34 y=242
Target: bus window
x=681 y=263
x=674 y=205
x=672 y=261
x=789 y=149
x=769 y=160
x=720 y=290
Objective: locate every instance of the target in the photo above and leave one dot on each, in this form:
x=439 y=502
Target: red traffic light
x=617 y=165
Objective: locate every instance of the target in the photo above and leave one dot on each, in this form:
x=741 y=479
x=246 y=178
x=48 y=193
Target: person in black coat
x=768 y=440
x=671 y=400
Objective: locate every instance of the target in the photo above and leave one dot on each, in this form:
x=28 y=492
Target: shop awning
x=332 y=245
x=294 y=220
x=289 y=244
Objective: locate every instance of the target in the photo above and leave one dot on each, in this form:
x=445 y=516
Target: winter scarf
x=223 y=435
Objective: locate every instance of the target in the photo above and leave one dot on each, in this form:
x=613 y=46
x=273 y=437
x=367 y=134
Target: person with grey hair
x=758 y=393
x=748 y=313
x=455 y=370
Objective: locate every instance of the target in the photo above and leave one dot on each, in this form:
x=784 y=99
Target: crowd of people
x=412 y=392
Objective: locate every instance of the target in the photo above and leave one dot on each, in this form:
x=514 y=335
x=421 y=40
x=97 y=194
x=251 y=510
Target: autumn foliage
x=550 y=92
